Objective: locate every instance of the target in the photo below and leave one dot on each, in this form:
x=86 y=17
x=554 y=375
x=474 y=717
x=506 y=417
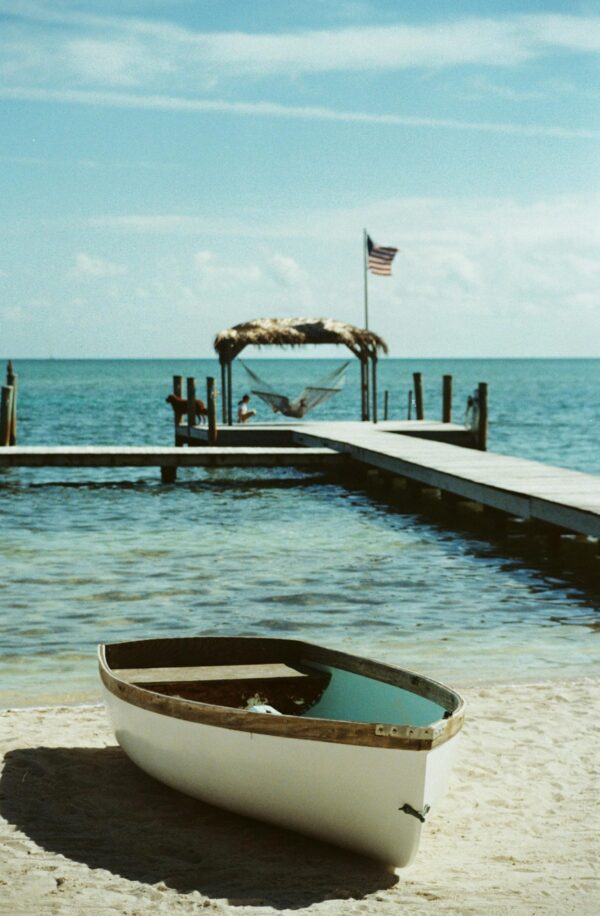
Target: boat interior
x=314 y=683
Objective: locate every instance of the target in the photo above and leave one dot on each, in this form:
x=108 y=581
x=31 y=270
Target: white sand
x=84 y=831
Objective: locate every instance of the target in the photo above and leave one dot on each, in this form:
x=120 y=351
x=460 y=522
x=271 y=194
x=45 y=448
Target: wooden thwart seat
x=290 y=690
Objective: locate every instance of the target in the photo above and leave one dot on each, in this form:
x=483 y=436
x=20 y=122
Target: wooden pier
x=441 y=456
x=167 y=459
x=424 y=452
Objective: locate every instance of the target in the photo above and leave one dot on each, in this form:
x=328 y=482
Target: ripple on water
x=316 y=562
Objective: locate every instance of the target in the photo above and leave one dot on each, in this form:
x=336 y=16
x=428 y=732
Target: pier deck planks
x=518 y=486
x=528 y=489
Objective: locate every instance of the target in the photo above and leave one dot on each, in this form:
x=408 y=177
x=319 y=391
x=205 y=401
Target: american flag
x=380 y=258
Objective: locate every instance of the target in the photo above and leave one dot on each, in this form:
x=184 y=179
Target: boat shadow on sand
x=95 y=807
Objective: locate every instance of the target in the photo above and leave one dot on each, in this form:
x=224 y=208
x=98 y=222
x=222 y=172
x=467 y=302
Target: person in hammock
x=291 y=409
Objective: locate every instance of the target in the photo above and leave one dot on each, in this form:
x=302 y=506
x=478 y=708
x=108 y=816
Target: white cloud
x=125 y=50
x=275 y=110
x=285 y=271
x=87 y=267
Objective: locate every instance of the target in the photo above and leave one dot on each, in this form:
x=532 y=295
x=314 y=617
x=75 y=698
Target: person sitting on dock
x=244 y=413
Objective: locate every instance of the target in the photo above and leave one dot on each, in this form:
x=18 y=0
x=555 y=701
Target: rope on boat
x=420 y=815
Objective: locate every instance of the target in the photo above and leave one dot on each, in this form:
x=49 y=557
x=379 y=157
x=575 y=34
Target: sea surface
x=89 y=556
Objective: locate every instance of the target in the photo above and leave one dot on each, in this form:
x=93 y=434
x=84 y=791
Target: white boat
x=339 y=747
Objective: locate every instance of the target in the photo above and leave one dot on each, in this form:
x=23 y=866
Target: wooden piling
x=447 y=399
x=11 y=381
x=6 y=414
x=374 y=386
x=168 y=474
x=211 y=405
x=177 y=385
x=386 y=404
x=409 y=408
x=191 y=402
x=482 y=427
x=418 y=383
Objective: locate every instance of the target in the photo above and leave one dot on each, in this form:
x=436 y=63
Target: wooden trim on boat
x=194 y=651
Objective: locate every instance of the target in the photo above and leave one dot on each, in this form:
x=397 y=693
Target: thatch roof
x=293 y=332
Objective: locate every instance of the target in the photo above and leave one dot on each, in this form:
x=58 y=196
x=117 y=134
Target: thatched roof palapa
x=294 y=332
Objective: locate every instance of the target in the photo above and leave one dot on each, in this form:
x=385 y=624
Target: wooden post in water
x=177 y=385
x=447 y=399
x=386 y=404
x=11 y=381
x=364 y=387
x=482 y=428
x=5 y=414
x=211 y=406
x=374 y=385
x=418 y=383
x=409 y=409
x=191 y=404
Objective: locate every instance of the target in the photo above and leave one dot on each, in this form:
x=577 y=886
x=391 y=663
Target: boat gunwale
x=338 y=731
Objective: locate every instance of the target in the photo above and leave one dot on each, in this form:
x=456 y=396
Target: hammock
x=309 y=398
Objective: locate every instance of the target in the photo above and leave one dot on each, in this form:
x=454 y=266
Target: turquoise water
x=89 y=556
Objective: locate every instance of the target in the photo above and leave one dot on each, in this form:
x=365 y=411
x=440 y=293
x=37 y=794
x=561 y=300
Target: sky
x=170 y=168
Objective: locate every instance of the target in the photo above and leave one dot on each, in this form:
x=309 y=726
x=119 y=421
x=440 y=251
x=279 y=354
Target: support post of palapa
x=364 y=386
x=374 y=384
x=447 y=399
x=482 y=426
x=223 y=393
x=418 y=383
x=229 y=396
x=211 y=405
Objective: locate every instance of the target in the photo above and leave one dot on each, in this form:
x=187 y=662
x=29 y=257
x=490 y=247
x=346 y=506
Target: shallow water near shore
x=93 y=556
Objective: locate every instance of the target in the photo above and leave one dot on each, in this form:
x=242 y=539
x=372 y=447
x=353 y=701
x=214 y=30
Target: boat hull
x=349 y=795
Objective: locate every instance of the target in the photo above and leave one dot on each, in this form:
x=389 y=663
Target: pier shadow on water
x=93 y=806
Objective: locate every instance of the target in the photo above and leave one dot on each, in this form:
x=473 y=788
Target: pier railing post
x=5 y=414
x=386 y=404
x=409 y=406
x=211 y=405
x=447 y=399
x=482 y=427
x=374 y=385
x=418 y=383
x=191 y=405
x=177 y=385
x=11 y=381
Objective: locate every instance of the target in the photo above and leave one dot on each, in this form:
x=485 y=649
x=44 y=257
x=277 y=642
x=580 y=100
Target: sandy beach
x=84 y=831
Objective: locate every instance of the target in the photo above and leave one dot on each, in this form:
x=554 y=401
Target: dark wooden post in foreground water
x=482 y=426
x=418 y=383
x=409 y=408
x=211 y=406
x=386 y=404
x=447 y=399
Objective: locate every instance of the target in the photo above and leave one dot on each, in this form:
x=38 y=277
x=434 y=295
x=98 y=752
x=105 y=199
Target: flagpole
x=365 y=246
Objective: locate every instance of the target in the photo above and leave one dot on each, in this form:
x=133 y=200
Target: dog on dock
x=180 y=408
